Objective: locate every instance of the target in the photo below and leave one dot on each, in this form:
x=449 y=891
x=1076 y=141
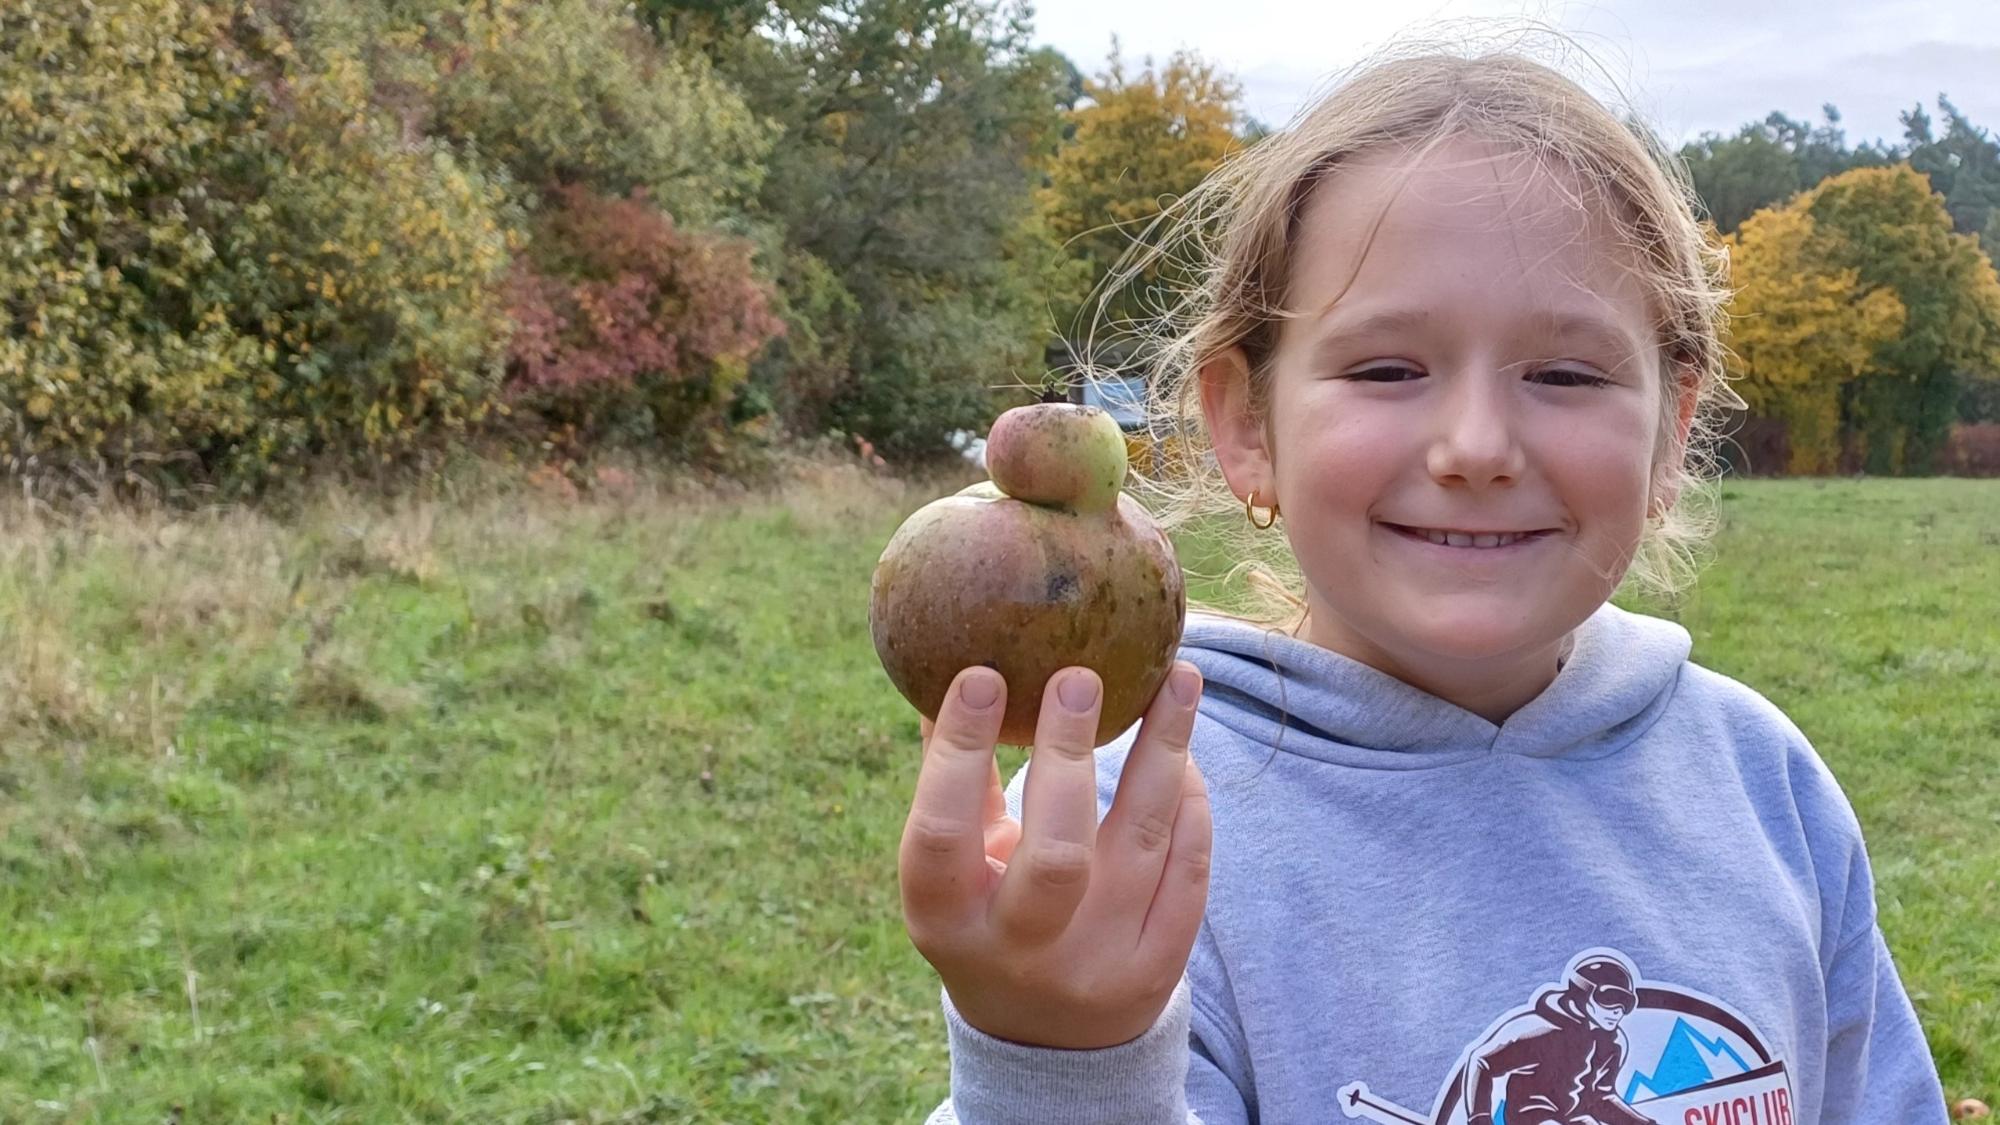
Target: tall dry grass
x=111 y=613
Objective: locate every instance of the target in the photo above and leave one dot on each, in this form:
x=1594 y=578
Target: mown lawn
x=514 y=809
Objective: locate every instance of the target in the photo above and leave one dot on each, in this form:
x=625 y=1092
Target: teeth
x=1461 y=539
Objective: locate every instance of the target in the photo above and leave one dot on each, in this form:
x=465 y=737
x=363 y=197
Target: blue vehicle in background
x=1123 y=396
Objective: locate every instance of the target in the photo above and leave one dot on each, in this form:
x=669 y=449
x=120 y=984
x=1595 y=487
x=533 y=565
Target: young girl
x=1449 y=839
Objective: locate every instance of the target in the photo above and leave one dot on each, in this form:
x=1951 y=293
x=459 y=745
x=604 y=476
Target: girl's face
x=1464 y=422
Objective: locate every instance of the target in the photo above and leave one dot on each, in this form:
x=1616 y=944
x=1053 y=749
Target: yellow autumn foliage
x=1142 y=141
x=1800 y=330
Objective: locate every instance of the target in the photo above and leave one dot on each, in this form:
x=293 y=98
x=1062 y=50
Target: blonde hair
x=1234 y=237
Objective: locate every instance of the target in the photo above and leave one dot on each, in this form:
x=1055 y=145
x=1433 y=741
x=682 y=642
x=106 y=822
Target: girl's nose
x=1476 y=442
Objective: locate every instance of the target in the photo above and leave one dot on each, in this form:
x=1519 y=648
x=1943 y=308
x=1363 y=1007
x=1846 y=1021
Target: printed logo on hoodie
x=1604 y=1047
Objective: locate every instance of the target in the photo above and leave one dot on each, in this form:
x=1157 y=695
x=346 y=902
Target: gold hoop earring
x=1252 y=516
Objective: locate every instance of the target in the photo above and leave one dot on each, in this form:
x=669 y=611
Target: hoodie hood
x=1307 y=700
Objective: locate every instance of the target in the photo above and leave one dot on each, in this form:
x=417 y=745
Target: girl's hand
x=1056 y=931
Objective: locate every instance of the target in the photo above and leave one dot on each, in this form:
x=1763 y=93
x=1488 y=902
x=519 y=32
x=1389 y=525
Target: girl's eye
x=1565 y=377
x=1550 y=376
x=1387 y=373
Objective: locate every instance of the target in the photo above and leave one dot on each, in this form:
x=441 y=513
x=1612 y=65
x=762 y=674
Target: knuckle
x=1174 y=737
x=955 y=739
x=1194 y=790
x=1150 y=831
x=1073 y=738
x=928 y=838
x=1194 y=867
x=1057 y=864
x=1023 y=931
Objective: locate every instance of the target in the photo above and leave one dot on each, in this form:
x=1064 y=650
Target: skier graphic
x=1600 y=1046
x=1559 y=1062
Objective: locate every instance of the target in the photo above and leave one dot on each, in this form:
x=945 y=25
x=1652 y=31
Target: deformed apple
x=1047 y=565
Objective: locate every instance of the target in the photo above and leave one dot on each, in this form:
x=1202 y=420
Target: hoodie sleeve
x=1878 y=1067
x=1152 y=1080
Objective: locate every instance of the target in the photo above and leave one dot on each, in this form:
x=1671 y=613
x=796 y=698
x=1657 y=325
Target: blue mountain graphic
x=1684 y=1064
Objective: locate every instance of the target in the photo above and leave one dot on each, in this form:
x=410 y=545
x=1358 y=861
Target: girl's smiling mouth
x=1480 y=540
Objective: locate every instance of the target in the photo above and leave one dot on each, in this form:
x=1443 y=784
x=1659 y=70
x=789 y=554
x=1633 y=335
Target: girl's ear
x=1239 y=438
x=1667 y=489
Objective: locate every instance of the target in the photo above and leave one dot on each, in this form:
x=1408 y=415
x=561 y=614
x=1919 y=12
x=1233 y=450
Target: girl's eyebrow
x=1582 y=327
x=1592 y=330
x=1387 y=320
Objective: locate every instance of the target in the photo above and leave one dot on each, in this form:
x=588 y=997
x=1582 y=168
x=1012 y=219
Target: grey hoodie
x=1641 y=898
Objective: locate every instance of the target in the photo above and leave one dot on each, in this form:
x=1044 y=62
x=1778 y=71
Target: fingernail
x=1078 y=691
x=978 y=690
x=1185 y=681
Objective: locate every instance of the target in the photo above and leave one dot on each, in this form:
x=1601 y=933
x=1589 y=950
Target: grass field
x=516 y=810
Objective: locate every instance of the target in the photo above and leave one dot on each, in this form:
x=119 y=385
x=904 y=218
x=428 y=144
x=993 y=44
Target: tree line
x=251 y=239
x=1865 y=332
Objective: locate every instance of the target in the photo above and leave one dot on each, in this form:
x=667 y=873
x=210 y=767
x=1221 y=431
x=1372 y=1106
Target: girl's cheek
x=1340 y=426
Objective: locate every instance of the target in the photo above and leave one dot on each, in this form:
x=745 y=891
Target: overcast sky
x=1687 y=66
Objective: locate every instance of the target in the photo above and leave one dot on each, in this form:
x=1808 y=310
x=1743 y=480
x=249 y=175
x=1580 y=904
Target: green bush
x=253 y=237
x=218 y=253
x=115 y=118
x=798 y=377
x=371 y=267
x=942 y=354
x=948 y=366
x=578 y=91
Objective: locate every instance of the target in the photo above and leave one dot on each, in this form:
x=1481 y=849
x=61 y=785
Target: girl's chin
x=1475 y=646
x=1451 y=635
